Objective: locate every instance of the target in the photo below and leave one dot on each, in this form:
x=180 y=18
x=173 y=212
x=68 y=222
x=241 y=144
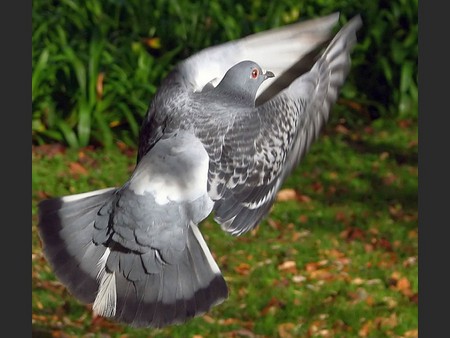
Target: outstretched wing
x=277 y=50
x=262 y=148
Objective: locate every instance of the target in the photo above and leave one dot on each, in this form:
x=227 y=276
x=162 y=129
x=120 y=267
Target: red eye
x=255 y=73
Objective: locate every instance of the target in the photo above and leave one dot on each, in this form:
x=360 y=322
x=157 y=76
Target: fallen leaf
x=285 y=330
x=352 y=233
x=272 y=306
x=286 y=195
x=317 y=187
x=303 y=219
x=390 y=322
x=76 y=168
x=288 y=266
x=300 y=234
x=243 y=269
x=228 y=321
x=341 y=129
x=298 y=278
x=321 y=274
x=405 y=124
x=239 y=333
x=366 y=329
x=49 y=150
x=389 y=179
x=315 y=327
x=411 y=334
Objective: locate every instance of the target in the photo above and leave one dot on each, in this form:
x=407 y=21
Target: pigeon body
x=220 y=136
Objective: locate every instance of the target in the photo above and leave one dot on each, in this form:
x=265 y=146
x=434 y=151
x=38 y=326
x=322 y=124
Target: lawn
x=336 y=257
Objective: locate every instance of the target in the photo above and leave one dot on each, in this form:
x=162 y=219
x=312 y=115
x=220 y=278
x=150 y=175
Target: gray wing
x=278 y=50
x=263 y=147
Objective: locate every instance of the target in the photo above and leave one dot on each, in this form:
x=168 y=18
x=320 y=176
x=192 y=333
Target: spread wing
x=262 y=147
x=278 y=50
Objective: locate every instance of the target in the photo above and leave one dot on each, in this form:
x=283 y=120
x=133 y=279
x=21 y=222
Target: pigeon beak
x=268 y=74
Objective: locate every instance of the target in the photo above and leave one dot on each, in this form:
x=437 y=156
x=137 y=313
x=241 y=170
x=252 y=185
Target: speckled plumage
x=220 y=136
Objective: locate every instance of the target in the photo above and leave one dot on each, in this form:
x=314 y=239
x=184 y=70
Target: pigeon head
x=242 y=81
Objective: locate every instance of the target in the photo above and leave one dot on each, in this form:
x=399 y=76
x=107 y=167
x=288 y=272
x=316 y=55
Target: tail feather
x=178 y=292
x=65 y=227
x=141 y=289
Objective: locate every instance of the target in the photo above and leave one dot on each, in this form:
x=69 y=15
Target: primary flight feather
x=225 y=129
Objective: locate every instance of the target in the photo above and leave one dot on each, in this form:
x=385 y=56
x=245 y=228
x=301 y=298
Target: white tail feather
x=106 y=300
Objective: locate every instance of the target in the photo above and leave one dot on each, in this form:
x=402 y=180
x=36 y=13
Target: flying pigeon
x=224 y=130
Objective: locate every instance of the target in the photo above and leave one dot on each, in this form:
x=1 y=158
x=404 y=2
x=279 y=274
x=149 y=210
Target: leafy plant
x=97 y=64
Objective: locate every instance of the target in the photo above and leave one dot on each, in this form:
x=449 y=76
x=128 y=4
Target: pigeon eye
x=255 y=73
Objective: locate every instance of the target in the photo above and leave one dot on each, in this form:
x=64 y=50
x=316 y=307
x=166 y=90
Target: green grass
x=338 y=259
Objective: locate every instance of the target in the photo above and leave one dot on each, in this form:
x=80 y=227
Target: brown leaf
x=276 y=225
x=42 y=194
x=414 y=298
x=352 y=233
x=228 y=321
x=303 y=198
x=208 y=319
x=401 y=284
x=312 y=266
x=286 y=195
x=300 y=234
x=298 y=278
x=317 y=187
x=341 y=216
x=316 y=327
x=411 y=334
x=243 y=269
x=405 y=124
x=285 y=330
x=341 y=129
x=404 y=286
x=76 y=168
x=321 y=274
x=382 y=243
x=384 y=155
x=49 y=150
x=396 y=211
x=389 y=179
x=288 y=266
x=390 y=322
x=366 y=329
x=271 y=306
x=303 y=219
x=239 y=333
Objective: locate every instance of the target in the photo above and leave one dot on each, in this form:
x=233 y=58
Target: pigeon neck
x=240 y=97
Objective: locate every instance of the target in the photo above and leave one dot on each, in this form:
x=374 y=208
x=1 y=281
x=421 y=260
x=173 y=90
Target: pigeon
x=224 y=130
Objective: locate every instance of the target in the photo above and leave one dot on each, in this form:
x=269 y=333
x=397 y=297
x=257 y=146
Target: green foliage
x=97 y=64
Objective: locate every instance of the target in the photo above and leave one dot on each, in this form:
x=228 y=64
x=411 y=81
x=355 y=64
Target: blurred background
x=97 y=64
x=338 y=255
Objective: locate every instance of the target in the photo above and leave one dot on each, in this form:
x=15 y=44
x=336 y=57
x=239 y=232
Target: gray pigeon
x=220 y=136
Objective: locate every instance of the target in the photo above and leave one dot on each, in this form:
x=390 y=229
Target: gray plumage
x=220 y=137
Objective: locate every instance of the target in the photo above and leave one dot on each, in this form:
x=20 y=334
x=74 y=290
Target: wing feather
x=287 y=124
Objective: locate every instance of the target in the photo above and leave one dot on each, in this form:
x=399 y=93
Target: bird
x=224 y=130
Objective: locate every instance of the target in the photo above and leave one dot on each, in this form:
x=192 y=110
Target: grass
x=336 y=257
